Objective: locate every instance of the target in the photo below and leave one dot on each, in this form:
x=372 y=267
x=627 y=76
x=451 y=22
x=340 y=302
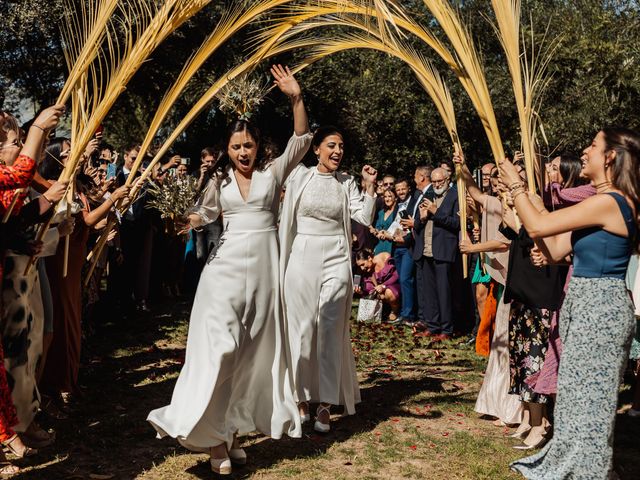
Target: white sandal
x=319 y=426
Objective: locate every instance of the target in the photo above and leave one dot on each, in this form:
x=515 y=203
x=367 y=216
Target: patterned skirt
x=596 y=327
x=528 y=342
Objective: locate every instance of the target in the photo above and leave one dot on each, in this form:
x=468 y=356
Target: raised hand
x=285 y=81
x=369 y=174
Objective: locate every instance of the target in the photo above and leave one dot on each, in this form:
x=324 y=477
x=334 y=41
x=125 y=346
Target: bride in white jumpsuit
x=235 y=379
x=315 y=241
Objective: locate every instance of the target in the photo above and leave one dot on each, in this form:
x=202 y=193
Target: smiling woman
x=235 y=380
x=315 y=269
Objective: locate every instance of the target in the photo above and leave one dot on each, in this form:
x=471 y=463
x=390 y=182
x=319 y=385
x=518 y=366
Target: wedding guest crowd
x=50 y=289
x=531 y=302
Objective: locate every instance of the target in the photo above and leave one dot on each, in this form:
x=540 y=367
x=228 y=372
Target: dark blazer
x=446 y=225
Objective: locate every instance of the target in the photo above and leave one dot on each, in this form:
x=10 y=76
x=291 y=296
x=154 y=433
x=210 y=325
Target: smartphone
x=404 y=214
x=185 y=161
x=111 y=171
x=99 y=131
x=356 y=280
x=477 y=173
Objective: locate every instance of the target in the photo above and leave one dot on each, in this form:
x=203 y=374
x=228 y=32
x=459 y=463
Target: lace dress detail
x=322 y=199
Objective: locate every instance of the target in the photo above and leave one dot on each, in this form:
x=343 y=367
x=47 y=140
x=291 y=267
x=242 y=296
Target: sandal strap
x=322 y=408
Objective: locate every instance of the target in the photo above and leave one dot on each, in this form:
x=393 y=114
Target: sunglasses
x=388 y=184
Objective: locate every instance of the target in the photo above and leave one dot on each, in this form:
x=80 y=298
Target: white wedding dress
x=235 y=378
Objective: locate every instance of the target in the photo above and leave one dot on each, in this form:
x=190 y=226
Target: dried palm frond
x=527 y=77
x=231 y=22
x=242 y=96
x=145 y=28
x=427 y=75
x=83 y=33
x=174 y=196
x=467 y=56
x=269 y=48
x=465 y=64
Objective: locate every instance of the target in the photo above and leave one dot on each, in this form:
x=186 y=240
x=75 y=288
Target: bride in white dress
x=315 y=266
x=235 y=379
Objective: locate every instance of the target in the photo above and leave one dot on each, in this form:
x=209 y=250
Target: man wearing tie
x=414 y=242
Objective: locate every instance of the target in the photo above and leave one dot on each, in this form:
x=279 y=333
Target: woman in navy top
x=597 y=320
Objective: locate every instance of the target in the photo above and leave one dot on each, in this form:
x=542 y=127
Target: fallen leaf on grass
x=445 y=434
x=413 y=447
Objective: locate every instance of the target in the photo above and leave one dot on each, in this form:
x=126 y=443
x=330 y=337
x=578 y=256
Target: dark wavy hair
x=51 y=166
x=266 y=151
x=323 y=132
x=626 y=166
x=364 y=254
x=570 y=168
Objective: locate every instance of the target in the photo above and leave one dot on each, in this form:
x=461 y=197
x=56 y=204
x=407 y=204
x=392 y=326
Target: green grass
x=416 y=420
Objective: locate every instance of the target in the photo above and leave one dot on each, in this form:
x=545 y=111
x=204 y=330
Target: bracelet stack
x=516 y=189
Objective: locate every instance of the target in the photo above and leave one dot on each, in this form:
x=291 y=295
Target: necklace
x=601 y=187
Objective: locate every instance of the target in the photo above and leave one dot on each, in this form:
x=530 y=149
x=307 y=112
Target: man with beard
x=439 y=224
x=402 y=255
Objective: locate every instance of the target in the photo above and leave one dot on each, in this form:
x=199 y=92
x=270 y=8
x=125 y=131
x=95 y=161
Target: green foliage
x=388 y=119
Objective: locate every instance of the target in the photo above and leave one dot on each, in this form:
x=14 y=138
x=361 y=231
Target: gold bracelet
x=515 y=194
x=515 y=185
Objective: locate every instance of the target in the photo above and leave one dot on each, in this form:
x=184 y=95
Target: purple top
x=565 y=197
x=387 y=276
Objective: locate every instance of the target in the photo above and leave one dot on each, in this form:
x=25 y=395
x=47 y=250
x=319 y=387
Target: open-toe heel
x=319 y=426
x=23 y=452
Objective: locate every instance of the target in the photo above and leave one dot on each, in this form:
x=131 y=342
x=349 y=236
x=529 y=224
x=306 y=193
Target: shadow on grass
x=107 y=434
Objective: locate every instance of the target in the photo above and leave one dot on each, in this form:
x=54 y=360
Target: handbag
x=370 y=309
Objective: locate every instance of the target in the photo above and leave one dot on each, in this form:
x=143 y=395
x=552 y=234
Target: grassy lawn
x=416 y=419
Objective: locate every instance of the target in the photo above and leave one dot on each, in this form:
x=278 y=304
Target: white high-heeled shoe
x=319 y=426
x=221 y=466
x=238 y=456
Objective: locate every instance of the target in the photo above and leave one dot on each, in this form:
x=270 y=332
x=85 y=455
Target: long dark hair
x=51 y=166
x=626 y=166
x=266 y=151
x=570 y=168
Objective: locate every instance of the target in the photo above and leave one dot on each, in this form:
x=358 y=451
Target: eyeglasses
x=387 y=184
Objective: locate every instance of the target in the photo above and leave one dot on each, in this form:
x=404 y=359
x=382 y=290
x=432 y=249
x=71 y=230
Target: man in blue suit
x=438 y=227
x=402 y=254
x=415 y=242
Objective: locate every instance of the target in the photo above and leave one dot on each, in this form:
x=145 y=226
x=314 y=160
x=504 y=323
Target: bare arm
x=472 y=187
x=491 y=246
